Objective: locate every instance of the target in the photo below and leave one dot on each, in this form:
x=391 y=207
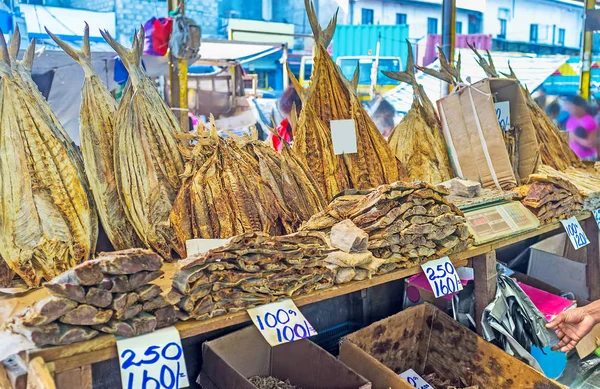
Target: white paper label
x=153 y=360
x=281 y=322
x=201 y=246
x=415 y=380
x=575 y=232
x=343 y=136
x=503 y=114
x=596 y=214
x=442 y=276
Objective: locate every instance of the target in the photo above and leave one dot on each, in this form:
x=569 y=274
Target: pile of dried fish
x=96 y=126
x=417 y=141
x=252 y=269
x=511 y=140
x=271 y=383
x=554 y=150
x=48 y=223
x=111 y=294
x=148 y=163
x=550 y=198
x=330 y=97
x=438 y=383
x=587 y=181
x=407 y=223
x=224 y=193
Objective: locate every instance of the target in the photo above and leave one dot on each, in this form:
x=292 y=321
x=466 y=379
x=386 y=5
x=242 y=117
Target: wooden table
x=71 y=364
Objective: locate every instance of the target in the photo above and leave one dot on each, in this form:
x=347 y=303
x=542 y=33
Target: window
x=459 y=27
x=474 y=24
x=561 y=36
x=432 y=26
x=502 y=34
x=400 y=18
x=367 y=16
x=533 y=33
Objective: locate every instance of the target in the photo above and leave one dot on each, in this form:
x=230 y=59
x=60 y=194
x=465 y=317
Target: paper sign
x=415 y=380
x=575 y=232
x=201 y=246
x=596 y=214
x=503 y=114
x=343 y=136
x=281 y=322
x=442 y=276
x=153 y=360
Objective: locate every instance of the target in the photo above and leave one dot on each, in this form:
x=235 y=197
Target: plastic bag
x=185 y=39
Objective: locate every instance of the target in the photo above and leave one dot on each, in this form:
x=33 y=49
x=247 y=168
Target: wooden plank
x=4 y=382
x=484 y=268
x=104 y=347
x=38 y=375
x=593 y=258
x=79 y=378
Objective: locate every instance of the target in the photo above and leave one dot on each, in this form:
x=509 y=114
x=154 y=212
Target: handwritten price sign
x=442 y=276
x=503 y=114
x=415 y=380
x=575 y=232
x=281 y=322
x=153 y=361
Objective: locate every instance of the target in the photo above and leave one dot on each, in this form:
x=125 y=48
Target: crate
x=427 y=340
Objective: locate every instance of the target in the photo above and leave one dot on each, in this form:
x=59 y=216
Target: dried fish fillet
x=148 y=163
x=48 y=223
x=97 y=120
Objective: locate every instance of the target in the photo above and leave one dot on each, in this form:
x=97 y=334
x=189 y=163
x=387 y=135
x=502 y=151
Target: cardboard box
x=474 y=137
x=229 y=361
x=426 y=340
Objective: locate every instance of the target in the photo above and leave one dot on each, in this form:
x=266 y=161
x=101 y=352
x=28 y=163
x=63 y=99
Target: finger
x=556 y=321
x=572 y=344
x=563 y=342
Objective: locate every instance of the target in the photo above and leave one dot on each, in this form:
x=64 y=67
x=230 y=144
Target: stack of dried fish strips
x=252 y=269
x=224 y=195
x=587 y=181
x=330 y=98
x=48 y=223
x=96 y=125
x=148 y=163
x=417 y=141
x=110 y=294
x=550 y=198
x=511 y=141
x=554 y=150
x=407 y=223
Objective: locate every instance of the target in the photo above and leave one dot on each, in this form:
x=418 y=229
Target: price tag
x=575 y=232
x=415 y=380
x=503 y=114
x=281 y=322
x=201 y=246
x=596 y=214
x=153 y=360
x=442 y=276
x=343 y=136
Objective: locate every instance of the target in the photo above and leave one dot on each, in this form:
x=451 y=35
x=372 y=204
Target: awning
x=215 y=50
x=531 y=69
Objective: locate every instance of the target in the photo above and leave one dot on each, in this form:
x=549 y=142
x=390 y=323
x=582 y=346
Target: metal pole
x=178 y=78
x=586 y=54
x=284 y=59
x=375 y=69
x=448 y=32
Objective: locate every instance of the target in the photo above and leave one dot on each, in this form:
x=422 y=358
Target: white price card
x=201 y=246
x=343 y=136
x=596 y=214
x=575 y=232
x=281 y=322
x=415 y=380
x=153 y=360
x=503 y=114
x=442 y=276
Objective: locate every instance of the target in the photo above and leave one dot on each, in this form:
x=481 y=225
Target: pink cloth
x=589 y=124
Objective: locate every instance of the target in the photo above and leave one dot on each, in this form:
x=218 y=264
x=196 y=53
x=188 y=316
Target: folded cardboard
x=427 y=340
x=229 y=361
x=474 y=136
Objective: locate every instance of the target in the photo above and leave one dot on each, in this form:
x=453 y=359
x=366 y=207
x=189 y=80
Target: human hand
x=571 y=326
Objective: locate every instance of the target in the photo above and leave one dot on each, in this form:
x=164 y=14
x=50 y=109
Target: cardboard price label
x=442 y=276
x=596 y=214
x=343 y=136
x=415 y=380
x=503 y=114
x=201 y=246
x=281 y=322
x=153 y=361
x=575 y=232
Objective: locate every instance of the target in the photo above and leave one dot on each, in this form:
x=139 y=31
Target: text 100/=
x=284 y=332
